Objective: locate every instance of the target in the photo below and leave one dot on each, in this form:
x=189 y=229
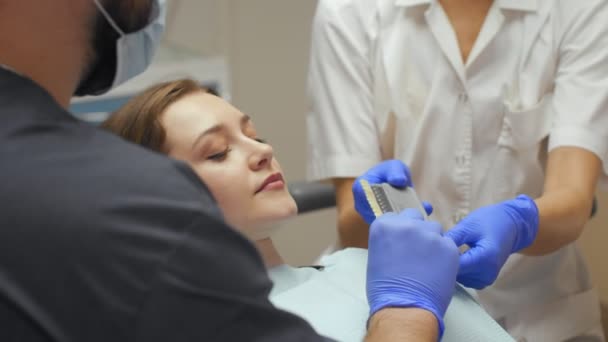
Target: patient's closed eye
x=220 y=155
x=261 y=141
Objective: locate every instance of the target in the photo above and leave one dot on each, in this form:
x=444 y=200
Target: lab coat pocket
x=518 y=166
x=525 y=128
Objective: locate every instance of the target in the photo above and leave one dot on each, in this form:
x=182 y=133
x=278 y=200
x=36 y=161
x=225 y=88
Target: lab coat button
x=460 y=160
x=463 y=97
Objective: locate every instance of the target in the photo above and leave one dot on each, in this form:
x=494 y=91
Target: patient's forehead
x=186 y=118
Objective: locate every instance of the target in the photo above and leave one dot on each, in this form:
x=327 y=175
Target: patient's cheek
x=281 y=208
x=229 y=201
x=234 y=218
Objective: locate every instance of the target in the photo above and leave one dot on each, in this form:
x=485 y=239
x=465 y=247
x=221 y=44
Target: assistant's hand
x=493 y=233
x=393 y=172
x=410 y=264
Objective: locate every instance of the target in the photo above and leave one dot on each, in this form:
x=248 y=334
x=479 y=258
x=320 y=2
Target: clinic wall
x=267 y=43
x=268 y=58
x=593 y=243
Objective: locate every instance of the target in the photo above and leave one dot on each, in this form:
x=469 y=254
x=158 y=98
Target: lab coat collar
x=515 y=5
x=412 y=3
x=519 y=5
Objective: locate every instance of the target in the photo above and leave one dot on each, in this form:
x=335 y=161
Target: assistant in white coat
x=387 y=80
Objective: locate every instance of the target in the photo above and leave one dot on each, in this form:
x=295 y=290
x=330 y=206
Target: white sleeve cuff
x=586 y=139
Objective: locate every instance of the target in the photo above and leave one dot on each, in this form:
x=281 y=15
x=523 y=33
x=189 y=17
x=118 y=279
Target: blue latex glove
x=410 y=264
x=493 y=233
x=393 y=172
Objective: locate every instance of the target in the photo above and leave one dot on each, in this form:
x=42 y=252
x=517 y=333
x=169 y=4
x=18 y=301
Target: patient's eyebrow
x=211 y=130
x=245 y=119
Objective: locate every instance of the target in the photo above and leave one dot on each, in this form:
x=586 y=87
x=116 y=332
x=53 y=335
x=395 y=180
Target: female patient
x=222 y=146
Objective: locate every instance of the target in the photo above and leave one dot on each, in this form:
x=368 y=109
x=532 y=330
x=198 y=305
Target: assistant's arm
x=352 y=229
x=578 y=142
x=565 y=205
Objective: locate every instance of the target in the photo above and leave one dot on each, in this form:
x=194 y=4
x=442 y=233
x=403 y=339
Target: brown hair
x=139 y=120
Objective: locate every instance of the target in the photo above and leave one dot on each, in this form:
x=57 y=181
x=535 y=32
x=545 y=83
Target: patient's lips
x=273 y=182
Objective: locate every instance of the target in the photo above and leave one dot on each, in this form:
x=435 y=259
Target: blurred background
x=255 y=53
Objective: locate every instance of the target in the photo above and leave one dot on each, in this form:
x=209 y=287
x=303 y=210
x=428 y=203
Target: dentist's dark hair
x=131 y=16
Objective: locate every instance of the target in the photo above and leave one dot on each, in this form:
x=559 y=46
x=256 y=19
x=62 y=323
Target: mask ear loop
x=108 y=18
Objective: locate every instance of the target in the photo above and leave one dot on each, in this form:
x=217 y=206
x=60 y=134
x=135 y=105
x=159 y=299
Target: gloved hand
x=393 y=172
x=410 y=264
x=493 y=233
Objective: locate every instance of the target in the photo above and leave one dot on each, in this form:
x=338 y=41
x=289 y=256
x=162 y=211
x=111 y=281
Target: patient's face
x=222 y=146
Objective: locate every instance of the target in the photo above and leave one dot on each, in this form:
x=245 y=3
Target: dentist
x=101 y=240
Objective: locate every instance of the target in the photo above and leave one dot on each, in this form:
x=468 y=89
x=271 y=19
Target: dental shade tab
x=383 y=198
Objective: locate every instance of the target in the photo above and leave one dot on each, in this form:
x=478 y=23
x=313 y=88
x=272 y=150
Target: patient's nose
x=261 y=157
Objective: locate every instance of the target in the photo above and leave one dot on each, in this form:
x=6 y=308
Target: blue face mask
x=134 y=51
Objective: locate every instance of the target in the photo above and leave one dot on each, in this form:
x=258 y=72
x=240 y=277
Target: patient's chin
x=291 y=208
x=280 y=202
x=275 y=211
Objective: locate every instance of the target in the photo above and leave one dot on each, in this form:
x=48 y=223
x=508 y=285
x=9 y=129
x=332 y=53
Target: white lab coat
x=387 y=81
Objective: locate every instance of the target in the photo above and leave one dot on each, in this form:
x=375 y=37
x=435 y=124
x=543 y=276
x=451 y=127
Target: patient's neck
x=269 y=253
